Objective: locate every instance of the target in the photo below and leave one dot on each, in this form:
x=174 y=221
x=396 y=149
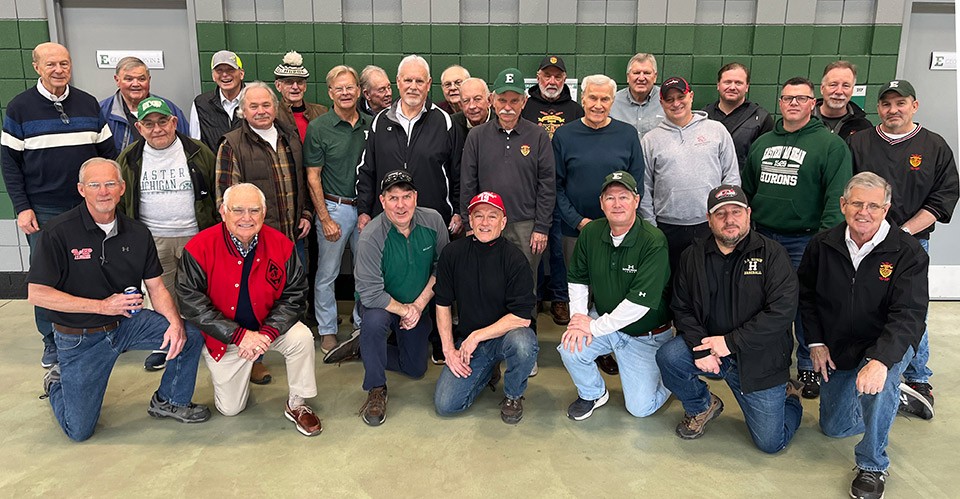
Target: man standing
x=835 y=110
x=684 y=157
x=922 y=169
x=331 y=151
x=48 y=132
x=94 y=319
x=290 y=78
x=793 y=176
x=863 y=295
x=638 y=105
x=491 y=282
x=450 y=81
x=377 y=94
x=745 y=120
x=475 y=108
x=416 y=136
x=550 y=105
x=214 y=113
x=258 y=313
x=622 y=260
x=170 y=182
x=734 y=299
x=120 y=109
x=395 y=285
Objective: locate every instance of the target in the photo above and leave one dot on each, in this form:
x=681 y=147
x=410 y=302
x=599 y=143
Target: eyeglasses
x=871 y=207
x=451 y=84
x=150 y=125
x=239 y=211
x=799 y=99
x=349 y=89
x=63 y=116
x=110 y=185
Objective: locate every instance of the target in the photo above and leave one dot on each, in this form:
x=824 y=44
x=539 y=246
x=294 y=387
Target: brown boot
x=260 y=375
x=560 y=310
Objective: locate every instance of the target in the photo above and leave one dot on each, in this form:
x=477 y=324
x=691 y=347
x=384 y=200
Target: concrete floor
x=416 y=453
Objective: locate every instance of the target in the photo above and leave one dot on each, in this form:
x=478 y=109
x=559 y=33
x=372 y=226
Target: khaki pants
x=170 y=250
x=231 y=375
x=519 y=233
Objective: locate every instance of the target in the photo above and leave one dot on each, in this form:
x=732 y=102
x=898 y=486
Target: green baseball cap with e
x=153 y=105
x=509 y=80
x=623 y=178
x=902 y=87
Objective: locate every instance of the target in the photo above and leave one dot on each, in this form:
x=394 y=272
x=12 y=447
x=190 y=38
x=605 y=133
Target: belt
x=657 y=330
x=106 y=328
x=340 y=200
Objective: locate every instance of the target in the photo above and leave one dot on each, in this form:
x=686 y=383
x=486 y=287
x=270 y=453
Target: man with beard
x=841 y=116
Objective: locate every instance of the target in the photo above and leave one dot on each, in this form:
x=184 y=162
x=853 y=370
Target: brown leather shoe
x=608 y=364
x=303 y=416
x=511 y=410
x=374 y=410
x=260 y=375
x=560 y=310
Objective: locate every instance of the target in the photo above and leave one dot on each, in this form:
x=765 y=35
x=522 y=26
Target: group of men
x=645 y=208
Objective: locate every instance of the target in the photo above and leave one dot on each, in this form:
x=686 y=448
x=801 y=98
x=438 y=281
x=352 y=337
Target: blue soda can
x=131 y=290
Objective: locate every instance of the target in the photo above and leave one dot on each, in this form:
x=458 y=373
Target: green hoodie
x=795 y=179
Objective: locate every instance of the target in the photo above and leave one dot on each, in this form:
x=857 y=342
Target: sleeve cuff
x=270 y=331
x=238 y=335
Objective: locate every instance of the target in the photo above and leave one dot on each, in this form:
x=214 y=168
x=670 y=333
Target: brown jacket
x=285 y=114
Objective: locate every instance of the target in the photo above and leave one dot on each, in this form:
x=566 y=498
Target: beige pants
x=231 y=375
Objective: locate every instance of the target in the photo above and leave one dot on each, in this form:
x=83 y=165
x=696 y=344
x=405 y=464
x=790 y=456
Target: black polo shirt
x=720 y=269
x=75 y=256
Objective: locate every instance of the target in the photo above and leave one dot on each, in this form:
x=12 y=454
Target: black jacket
x=854 y=121
x=431 y=156
x=745 y=124
x=876 y=311
x=214 y=122
x=765 y=304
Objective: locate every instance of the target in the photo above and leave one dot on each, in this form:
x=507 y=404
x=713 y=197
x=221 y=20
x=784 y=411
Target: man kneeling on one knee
x=492 y=283
x=623 y=260
x=734 y=299
x=242 y=283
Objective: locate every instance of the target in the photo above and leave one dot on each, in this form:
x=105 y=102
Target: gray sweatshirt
x=683 y=165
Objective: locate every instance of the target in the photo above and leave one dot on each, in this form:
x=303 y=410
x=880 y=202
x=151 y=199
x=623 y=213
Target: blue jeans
x=43 y=214
x=772 y=418
x=917 y=371
x=844 y=412
x=557 y=284
x=643 y=390
x=329 y=257
x=518 y=348
x=795 y=246
x=408 y=356
x=86 y=361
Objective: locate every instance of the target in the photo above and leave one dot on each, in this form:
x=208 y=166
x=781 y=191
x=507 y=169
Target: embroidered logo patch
x=915 y=160
x=630 y=269
x=525 y=149
x=82 y=253
x=274 y=275
x=753 y=266
x=886 y=270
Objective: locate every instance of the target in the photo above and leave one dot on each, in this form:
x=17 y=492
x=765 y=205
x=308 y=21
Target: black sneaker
x=347 y=349
x=916 y=399
x=511 y=410
x=49 y=357
x=693 y=426
x=811 y=383
x=49 y=378
x=192 y=413
x=155 y=361
x=437 y=357
x=582 y=409
x=868 y=484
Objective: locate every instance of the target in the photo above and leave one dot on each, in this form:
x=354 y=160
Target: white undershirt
x=269 y=136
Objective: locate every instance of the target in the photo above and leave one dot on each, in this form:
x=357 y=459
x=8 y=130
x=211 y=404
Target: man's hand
x=253 y=345
x=362 y=221
x=27 y=221
x=708 y=364
x=538 y=242
x=331 y=230
x=467 y=348
x=174 y=337
x=121 y=304
x=456 y=223
x=716 y=345
x=822 y=363
x=583 y=223
x=871 y=377
x=304 y=227
x=411 y=316
x=455 y=362
x=578 y=333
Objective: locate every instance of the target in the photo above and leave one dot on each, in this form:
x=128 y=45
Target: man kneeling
x=243 y=285
x=734 y=299
x=492 y=283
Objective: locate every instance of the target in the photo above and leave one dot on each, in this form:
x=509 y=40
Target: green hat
x=509 y=80
x=623 y=178
x=153 y=105
x=902 y=87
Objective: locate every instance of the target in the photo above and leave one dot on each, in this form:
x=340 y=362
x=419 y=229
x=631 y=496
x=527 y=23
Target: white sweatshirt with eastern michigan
x=682 y=165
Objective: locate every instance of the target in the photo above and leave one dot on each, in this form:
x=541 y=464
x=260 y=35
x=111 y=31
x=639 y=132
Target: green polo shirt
x=334 y=145
x=638 y=270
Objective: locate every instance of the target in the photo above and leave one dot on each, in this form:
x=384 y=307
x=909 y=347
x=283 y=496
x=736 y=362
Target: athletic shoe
x=582 y=409
x=868 y=485
x=347 y=349
x=49 y=378
x=192 y=413
x=811 y=383
x=374 y=410
x=155 y=361
x=49 y=358
x=914 y=400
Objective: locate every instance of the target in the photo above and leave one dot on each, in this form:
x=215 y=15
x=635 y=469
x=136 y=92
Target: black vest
x=214 y=121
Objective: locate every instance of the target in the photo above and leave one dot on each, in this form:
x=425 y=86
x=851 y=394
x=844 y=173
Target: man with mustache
x=734 y=299
x=214 y=113
x=638 y=104
x=835 y=109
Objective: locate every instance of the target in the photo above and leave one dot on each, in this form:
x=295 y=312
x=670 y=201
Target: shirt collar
x=239 y=245
x=869 y=245
x=53 y=98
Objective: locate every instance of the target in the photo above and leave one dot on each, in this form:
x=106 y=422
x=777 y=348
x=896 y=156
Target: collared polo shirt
x=644 y=116
x=75 y=256
x=637 y=270
x=335 y=146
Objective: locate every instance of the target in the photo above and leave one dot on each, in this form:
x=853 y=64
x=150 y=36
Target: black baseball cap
x=553 y=60
x=726 y=194
x=396 y=177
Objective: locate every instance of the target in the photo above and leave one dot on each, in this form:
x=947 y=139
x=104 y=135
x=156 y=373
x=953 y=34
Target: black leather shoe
x=608 y=364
